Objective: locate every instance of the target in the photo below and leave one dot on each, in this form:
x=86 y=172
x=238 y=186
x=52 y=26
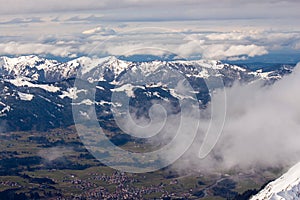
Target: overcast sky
x=225 y=29
x=160 y=10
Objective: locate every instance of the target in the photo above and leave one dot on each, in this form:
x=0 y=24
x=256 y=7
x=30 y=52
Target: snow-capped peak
x=286 y=187
x=26 y=66
x=29 y=61
x=89 y=64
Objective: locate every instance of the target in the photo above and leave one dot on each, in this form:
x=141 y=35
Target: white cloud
x=53 y=153
x=14 y=48
x=22 y=20
x=227 y=36
x=223 y=51
x=297 y=45
x=191 y=48
x=79 y=34
x=100 y=31
x=219 y=50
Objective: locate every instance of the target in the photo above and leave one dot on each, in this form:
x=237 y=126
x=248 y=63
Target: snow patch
x=85 y=102
x=25 y=97
x=23 y=82
x=72 y=93
x=4 y=111
x=127 y=88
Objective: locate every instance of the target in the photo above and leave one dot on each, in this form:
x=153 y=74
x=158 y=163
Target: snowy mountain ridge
x=286 y=187
x=44 y=70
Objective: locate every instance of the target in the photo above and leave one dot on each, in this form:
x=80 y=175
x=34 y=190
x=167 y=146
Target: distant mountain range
x=37 y=93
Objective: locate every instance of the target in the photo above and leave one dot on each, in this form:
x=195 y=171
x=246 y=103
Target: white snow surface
x=24 y=82
x=127 y=88
x=286 y=187
x=5 y=110
x=25 y=97
x=72 y=93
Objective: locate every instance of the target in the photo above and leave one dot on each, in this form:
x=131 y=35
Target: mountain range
x=38 y=93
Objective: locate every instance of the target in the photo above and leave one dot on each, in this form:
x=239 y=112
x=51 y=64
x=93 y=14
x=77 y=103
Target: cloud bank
x=261 y=129
x=228 y=29
x=14 y=48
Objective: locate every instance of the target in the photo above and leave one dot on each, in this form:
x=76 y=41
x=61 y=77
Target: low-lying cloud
x=54 y=153
x=261 y=129
x=16 y=48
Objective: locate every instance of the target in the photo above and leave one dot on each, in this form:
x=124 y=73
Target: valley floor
x=55 y=165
